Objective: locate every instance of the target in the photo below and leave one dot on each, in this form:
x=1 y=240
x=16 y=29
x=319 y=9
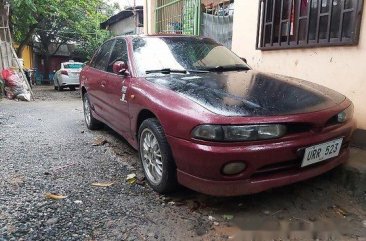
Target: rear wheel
x=156 y=158
x=90 y=121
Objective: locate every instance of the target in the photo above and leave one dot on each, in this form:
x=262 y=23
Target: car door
x=116 y=90
x=95 y=76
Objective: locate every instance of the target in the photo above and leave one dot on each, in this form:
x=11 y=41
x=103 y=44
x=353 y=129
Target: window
x=73 y=66
x=119 y=53
x=308 y=23
x=181 y=53
x=101 y=59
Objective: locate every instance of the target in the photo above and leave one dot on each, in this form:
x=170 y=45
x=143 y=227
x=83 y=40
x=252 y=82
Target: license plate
x=321 y=152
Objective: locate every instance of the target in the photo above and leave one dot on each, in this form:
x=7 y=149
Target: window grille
x=308 y=23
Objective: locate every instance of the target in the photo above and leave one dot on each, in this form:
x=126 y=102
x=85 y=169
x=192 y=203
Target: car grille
x=289 y=165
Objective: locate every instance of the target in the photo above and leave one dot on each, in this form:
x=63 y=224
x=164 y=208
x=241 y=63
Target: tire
x=57 y=87
x=160 y=172
x=90 y=121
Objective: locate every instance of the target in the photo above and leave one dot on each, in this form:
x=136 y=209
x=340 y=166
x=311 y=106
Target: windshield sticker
x=191 y=78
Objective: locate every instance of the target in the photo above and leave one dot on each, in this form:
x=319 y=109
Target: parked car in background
x=201 y=117
x=67 y=76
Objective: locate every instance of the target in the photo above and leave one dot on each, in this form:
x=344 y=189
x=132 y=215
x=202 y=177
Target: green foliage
x=56 y=22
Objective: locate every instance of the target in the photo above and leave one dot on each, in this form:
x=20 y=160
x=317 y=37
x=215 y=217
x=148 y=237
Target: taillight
x=64 y=72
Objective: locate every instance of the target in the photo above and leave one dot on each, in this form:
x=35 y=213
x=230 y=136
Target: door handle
x=102 y=84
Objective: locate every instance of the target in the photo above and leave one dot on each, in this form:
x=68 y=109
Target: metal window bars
x=177 y=17
x=184 y=16
x=308 y=23
x=208 y=18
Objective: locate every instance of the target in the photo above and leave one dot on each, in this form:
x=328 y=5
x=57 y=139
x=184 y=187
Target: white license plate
x=321 y=152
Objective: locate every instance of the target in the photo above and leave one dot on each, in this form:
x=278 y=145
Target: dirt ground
x=45 y=147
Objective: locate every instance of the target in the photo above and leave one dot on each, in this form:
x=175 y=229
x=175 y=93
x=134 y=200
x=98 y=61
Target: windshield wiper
x=166 y=71
x=179 y=71
x=227 y=68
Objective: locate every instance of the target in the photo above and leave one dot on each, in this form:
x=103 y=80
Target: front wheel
x=90 y=121
x=156 y=158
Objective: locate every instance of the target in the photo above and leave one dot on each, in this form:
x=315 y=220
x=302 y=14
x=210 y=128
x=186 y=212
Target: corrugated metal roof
x=128 y=12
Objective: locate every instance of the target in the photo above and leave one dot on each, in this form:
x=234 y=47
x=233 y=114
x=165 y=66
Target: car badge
x=123 y=91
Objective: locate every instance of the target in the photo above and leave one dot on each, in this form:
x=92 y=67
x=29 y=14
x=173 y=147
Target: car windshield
x=182 y=53
x=73 y=66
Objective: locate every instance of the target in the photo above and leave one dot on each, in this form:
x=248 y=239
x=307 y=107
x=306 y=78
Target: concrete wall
x=125 y=26
x=27 y=57
x=340 y=68
x=149 y=16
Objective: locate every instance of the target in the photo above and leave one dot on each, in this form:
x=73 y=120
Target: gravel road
x=46 y=148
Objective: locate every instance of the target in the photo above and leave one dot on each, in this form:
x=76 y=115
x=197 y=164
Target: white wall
x=340 y=68
x=149 y=16
x=123 y=27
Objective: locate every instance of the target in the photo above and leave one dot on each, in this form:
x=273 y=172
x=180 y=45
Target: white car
x=67 y=76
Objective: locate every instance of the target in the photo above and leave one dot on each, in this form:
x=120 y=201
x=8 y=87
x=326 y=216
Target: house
x=308 y=39
x=128 y=21
x=27 y=56
x=320 y=41
x=61 y=54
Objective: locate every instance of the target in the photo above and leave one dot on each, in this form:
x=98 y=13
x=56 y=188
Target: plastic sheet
x=15 y=86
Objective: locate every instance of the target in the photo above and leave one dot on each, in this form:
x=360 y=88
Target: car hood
x=250 y=93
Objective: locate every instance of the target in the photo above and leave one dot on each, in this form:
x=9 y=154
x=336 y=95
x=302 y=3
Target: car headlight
x=345 y=115
x=238 y=132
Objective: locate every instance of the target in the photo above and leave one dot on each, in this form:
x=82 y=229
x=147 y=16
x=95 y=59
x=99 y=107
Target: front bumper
x=269 y=164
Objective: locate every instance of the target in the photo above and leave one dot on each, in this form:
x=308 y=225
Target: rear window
x=73 y=66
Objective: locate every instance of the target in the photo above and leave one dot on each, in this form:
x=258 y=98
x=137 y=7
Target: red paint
x=199 y=163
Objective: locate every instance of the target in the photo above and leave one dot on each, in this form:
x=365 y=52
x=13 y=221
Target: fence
x=177 y=16
x=209 y=18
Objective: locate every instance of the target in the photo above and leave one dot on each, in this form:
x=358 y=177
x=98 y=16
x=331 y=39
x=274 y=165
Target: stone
x=51 y=221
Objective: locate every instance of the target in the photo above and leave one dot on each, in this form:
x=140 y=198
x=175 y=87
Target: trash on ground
x=78 y=202
x=99 y=141
x=228 y=216
x=102 y=184
x=131 y=178
x=340 y=211
x=211 y=218
x=54 y=196
x=216 y=223
x=15 y=86
x=140 y=181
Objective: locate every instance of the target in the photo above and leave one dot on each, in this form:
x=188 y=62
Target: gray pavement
x=46 y=148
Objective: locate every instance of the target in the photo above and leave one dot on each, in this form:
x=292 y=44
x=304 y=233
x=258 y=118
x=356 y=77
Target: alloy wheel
x=151 y=156
x=87 y=113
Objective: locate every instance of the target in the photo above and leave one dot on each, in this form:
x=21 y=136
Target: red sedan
x=201 y=117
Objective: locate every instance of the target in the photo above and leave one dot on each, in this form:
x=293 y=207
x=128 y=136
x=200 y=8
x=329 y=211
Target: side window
x=119 y=53
x=101 y=60
x=92 y=61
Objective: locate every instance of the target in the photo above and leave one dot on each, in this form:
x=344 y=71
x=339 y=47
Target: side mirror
x=244 y=59
x=120 y=67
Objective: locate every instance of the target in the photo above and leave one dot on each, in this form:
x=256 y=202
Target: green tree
x=49 y=24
